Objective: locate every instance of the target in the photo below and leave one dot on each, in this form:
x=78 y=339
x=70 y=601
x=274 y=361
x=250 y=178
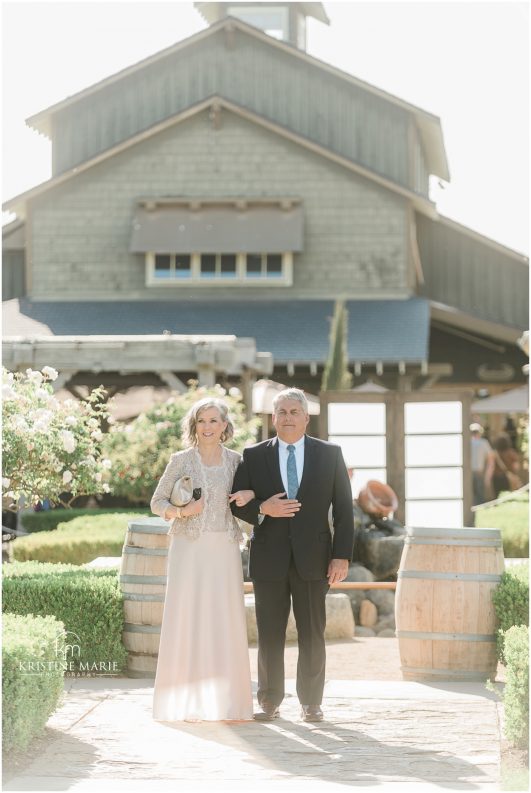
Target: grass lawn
x=512 y=517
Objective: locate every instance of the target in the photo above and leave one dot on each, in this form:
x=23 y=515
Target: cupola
x=284 y=21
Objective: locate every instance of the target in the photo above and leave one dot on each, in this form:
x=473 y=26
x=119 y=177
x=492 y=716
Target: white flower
x=98 y=477
x=8 y=392
x=106 y=488
x=235 y=392
x=7 y=377
x=97 y=435
x=67 y=477
x=43 y=393
x=58 y=467
x=69 y=442
x=70 y=421
x=34 y=376
x=50 y=372
x=106 y=463
x=6 y=481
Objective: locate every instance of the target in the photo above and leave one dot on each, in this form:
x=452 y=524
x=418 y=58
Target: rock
x=357 y=572
x=386 y=623
x=383 y=599
x=339 y=620
x=368 y=614
x=386 y=634
x=361 y=631
x=380 y=552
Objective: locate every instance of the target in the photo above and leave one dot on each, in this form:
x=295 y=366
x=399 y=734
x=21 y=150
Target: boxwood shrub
x=76 y=542
x=49 y=519
x=516 y=693
x=30 y=644
x=88 y=602
x=511 y=602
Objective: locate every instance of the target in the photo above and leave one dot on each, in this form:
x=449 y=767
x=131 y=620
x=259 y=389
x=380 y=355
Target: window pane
x=434 y=450
x=254 y=264
x=208 y=265
x=434 y=483
x=362 y=475
x=228 y=265
x=435 y=514
x=361 y=451
x=426 y=417
x=182 y=265
x=356 y=418
x=162 y=265
x=274 y=265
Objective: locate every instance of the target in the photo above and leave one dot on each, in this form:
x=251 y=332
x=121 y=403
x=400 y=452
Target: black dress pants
x=272 y=603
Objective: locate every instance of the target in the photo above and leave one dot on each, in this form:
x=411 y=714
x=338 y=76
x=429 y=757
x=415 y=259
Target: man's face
x=290 y=420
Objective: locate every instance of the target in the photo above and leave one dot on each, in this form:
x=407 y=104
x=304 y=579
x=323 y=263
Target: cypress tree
x=336 y=375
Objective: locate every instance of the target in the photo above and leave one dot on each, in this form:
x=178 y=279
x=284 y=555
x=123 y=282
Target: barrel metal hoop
x=145 y=551
x=143 y=579
x=471 y=534
x=481 y=674
x=130 y=627
x=138 y=527
x=426 y=574
x=137 y=596
x=469 y=543
x=447 y=637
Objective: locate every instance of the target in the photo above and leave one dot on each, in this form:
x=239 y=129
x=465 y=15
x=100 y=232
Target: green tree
x=336 y=375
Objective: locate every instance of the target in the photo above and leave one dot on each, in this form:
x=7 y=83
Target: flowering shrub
x=140 y=450
x=50 y=448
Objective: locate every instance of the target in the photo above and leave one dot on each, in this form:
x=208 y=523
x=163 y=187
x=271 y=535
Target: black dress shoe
x=268 y=712
x=311 y=713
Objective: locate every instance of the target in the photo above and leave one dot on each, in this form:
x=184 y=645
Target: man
x=482 y=463
x=292 y=556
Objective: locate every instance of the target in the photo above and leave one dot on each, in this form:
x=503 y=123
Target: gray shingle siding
x=303 y=97
x=355 y=238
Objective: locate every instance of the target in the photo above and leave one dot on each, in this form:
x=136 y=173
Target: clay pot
x=377 y=499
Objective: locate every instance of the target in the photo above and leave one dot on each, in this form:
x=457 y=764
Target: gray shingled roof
x=378 y=330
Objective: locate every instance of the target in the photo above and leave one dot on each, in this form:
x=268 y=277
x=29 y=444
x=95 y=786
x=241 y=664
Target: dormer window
x=234 y=241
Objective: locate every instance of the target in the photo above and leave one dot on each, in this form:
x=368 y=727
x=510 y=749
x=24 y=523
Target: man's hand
x=278 y=507
x=337 y=570
x=241 y=497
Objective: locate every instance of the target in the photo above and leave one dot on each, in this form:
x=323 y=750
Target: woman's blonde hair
x=189 y=422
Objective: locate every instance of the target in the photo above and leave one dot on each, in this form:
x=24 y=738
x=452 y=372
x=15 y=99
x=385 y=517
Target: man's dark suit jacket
x=325 y=481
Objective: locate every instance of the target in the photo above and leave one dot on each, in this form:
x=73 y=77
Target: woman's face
x=209 y=426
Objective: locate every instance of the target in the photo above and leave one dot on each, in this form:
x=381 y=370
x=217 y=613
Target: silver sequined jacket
x=188 y=463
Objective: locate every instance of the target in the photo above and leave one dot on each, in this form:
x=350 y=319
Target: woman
x=506 y=465
x=203 y=664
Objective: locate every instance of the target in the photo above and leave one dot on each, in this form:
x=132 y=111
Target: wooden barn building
x=209 y=204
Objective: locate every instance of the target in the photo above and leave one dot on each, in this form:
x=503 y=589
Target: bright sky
x=467 y=62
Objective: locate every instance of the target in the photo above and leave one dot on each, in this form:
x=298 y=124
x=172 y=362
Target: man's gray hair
x=291 y=393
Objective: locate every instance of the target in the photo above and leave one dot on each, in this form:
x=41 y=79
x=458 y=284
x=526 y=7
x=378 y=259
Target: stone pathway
x=396 y=735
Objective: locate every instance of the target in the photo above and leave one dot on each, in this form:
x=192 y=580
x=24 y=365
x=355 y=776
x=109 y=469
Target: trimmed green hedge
x=30 y=643
x=78 y=541
x=49 y=519
x=88 y=602
x=511 y=602
x=516 y=693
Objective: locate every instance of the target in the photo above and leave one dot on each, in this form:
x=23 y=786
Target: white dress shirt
x=283 y=460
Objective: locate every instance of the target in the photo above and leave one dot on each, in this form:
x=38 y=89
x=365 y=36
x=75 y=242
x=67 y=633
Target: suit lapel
x=309 y=464
x=273 y=464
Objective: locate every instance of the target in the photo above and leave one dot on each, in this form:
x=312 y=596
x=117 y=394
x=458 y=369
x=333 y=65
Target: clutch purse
x=182 y=492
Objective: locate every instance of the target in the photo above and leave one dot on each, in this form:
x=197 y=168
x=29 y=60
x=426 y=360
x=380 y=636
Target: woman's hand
x=193 y=508
x=241 y=497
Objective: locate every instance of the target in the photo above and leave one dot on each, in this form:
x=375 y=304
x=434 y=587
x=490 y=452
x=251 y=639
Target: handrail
x=248 y=585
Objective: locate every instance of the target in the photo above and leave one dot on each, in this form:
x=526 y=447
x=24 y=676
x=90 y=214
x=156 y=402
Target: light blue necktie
x=293 y=482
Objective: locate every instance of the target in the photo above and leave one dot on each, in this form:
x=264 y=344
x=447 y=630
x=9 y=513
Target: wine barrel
x=445 y=619
x=143 y=583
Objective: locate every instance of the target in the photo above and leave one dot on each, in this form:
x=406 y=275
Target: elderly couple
x=284 y=488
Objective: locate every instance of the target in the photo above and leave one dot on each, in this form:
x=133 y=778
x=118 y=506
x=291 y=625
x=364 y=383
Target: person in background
x=507 y=465
x=482 y=464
